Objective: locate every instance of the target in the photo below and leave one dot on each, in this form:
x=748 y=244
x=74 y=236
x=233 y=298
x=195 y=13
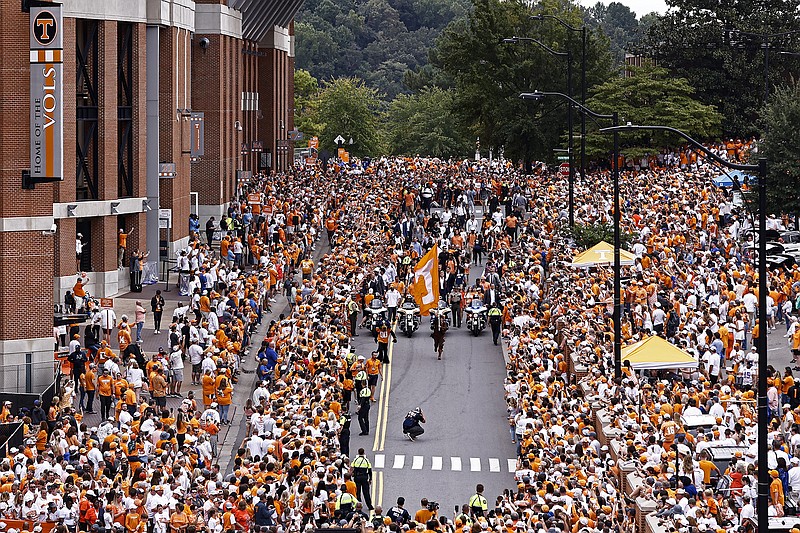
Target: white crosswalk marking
x=436 y=463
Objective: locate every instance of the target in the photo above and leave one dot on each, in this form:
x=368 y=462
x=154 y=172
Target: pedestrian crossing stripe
x=420 y=462
x=399 y=461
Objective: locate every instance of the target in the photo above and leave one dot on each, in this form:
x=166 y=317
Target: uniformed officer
x=363 y=410
x=345 y=503
x=344 y=434
x=478 y=503
x=361 y=470
x=495 y=320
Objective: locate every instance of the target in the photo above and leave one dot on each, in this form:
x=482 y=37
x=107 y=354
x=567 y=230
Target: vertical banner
x=198 y=121
x=47 y=88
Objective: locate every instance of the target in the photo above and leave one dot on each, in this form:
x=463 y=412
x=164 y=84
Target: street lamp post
x=617 y=317
x=766 y=41
x=568 y=56
x=762 y=507
x=582 y=31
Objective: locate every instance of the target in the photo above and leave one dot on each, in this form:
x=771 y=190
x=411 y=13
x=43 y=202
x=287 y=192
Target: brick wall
x=26 y=306
x=175 y=93
x=26 y=258
x=219 y=97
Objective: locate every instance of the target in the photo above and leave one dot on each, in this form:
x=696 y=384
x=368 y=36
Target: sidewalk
x=230 y=437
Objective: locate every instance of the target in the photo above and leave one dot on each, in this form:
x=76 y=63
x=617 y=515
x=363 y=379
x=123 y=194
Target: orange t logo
x=44 y=24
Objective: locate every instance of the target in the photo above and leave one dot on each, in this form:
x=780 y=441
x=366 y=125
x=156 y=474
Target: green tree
x=587 y=235
x=306 y=89
x=489 y=75
x=780 y=144
x=649 y=95
x=619 y=23
x=347 y=107
x=690 y=39
x=423 y=124
x=379 y=41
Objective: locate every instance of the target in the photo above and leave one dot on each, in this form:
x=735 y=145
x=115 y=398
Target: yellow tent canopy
x=655 y=353
x=601 y=254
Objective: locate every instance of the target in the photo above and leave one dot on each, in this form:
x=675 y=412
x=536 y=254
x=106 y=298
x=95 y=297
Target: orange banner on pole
x=425 y=288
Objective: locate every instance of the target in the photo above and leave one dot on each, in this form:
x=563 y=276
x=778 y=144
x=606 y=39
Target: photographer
x=428 y=511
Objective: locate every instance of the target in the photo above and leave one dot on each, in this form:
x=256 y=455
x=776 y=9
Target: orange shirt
x=105 y=385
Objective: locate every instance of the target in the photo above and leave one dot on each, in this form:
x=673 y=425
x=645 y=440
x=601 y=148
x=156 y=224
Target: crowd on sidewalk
x=693 y=281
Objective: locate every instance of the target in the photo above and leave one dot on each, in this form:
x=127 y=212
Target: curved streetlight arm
x=714 y=157
x=517 y=40
x=538 y=95
x=553 y=17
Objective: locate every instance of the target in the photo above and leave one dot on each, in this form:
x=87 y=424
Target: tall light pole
x=765 y=43
x=617 y=317
x=762 y=507
x=582 y=31
x=568 y=56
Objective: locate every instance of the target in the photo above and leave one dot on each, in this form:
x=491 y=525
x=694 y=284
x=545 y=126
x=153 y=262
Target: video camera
x=433 y=506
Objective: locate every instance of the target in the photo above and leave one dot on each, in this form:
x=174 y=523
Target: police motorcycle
x=440 y=315
x=374 y=312
x=477 y=316
x=408 y=316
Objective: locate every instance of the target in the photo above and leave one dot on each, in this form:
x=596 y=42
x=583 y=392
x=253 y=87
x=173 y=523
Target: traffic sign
x=339 y=140
x=562 y=158
x=563 y=169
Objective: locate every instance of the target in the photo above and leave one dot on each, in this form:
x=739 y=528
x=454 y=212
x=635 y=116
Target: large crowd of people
x=146 y=468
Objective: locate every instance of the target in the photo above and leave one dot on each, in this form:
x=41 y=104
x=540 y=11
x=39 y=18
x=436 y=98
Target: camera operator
x=429 y=510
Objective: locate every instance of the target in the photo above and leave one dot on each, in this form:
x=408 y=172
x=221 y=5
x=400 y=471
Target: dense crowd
x=693 y=282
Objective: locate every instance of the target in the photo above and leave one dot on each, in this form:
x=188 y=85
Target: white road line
x=455 y=464
x=416 y=463
x=436 y=463
x=380 y=460
x=399 y=461
x=512 y=465
x=494 y=464
x=475 y=464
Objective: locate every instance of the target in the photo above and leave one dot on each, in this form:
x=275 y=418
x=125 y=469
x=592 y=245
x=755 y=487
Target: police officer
x=344 y=434
x=478 y=503
x=361 y=470
x=382 y=334
x=495 y=320
x=363 y=410
x=345 y=504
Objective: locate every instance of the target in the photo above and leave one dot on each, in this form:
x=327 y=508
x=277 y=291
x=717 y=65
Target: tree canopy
x=692 y=41
x=489 y=75
x=378 y=41
x=780 y=144
x=649 y=95
x=347 y=107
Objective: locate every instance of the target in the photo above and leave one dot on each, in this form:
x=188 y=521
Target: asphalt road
x=466 y=438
